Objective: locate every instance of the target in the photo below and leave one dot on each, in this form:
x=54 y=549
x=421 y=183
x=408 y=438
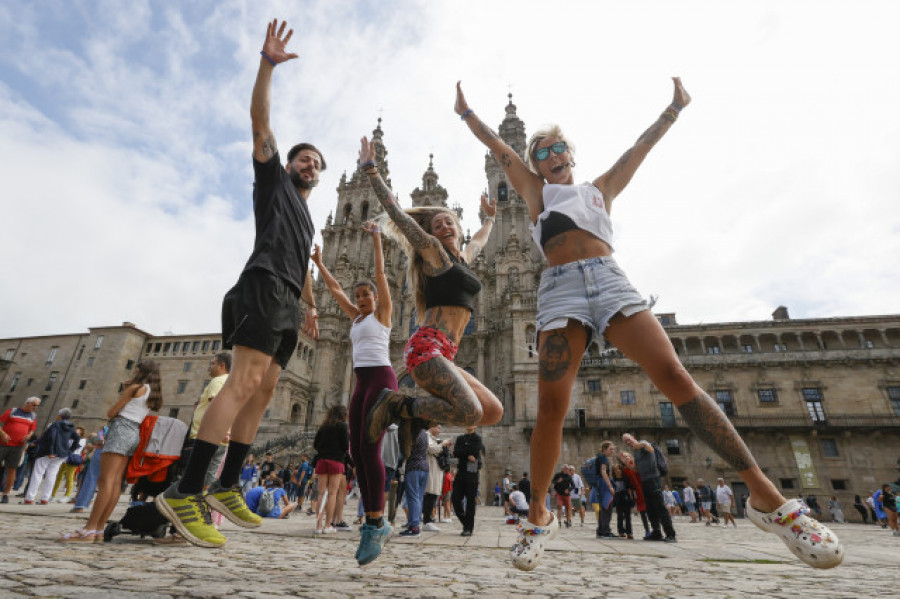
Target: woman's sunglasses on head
x=544 y=153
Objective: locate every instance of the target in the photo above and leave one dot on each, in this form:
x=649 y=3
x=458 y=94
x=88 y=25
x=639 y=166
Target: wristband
x=366 y=165
x=267 y=57
x=463 y=116
x=489 y=218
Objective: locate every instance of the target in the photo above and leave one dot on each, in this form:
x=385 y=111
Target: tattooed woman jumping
x=445 y=289
x=583 y=293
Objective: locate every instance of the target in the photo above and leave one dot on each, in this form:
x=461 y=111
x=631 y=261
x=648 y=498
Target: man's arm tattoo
x=555 y=356
x=707 y=420
x=267 y=147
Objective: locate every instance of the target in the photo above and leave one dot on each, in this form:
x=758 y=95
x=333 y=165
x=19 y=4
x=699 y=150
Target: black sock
x=376 y=522
x=201 y=455
x=234 y=461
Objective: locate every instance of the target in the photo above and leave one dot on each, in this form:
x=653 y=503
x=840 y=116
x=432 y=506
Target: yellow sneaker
x=189 y=514
x=230 y=503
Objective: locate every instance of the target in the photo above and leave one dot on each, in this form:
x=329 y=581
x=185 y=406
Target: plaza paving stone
x=283 y=558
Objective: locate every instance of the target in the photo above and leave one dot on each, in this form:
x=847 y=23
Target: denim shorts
x=590 y=291
x=123 y=436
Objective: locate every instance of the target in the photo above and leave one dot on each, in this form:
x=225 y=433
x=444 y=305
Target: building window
x=502 y=192
x=748 y=349
x=99 y=342
x=665 y=320
x=121 y=387
x=593 y=386
x=838 y=484
x=75 y=403
x=149 y=348
x=187 y=367
x=813 y=398
x=786 y=483
x=157 y=347
x=868 y=345
x=182 y=386
x=166 y=347
x=173 y=412
x=713 y=349
x=206 y=346
x=216 y=345
x=9 y=355
x=50 y=382
x=725 y=401
x=627 y=396
x=196 y=347
x=129 y=364
x=15 y=381
x=82 y=384
x=673 y=447
x=30 y=380
x=894 y=396
x=767 y=395
x=90 y=361
x=829 y=448
x=185 y=348
x=266 y=415
x=580 y=418
x=176 y=346
x=80 y=351
x=667 y=413
x=310 y=357
x=52 y=355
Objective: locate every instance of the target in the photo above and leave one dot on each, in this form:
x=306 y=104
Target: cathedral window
x=502 y=192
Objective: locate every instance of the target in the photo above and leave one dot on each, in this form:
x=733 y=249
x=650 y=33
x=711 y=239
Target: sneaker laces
x=203 y=507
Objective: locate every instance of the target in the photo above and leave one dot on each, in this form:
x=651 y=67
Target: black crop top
x=554 y=224
x=456 y=287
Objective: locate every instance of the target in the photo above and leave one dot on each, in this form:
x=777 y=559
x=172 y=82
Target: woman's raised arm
x=384 y=307
x=333 y=286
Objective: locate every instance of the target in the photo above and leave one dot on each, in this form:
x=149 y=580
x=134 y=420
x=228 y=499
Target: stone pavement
x=284 y=558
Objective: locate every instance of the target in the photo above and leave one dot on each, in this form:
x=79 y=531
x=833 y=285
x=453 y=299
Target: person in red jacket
x=17 y=426
x=635 y=480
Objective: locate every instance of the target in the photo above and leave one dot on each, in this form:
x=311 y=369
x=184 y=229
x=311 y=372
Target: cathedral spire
x=431 y=193
x=512 y=129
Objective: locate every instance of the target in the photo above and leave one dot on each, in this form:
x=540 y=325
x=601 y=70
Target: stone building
x=817 y=400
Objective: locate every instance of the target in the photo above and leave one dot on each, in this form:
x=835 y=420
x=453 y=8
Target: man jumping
x=260 y=317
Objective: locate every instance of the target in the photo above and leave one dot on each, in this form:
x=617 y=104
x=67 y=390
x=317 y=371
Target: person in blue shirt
x=282 y=507
x=249 y=474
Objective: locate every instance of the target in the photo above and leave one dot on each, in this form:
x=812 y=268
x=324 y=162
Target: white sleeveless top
x=371 y=342
x=582 y=203
x=136 y=409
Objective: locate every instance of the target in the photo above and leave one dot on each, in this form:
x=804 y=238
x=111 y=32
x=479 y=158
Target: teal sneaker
x=371 y=542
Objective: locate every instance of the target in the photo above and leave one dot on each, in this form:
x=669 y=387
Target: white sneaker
x=806 y=537
x=431 y=527
x=329 y=530
x=526 y=553
x=446 y=520
x=319 y=531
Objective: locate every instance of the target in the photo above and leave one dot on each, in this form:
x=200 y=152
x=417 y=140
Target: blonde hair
x=540 y=135
x=415 y=272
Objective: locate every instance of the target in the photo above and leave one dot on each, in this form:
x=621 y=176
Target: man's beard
x=298 y=181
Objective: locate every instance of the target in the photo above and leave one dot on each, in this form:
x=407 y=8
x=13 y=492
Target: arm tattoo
x=418 y=238
x=505 y=160
x=555 y=356
x=268 y=146
x=454 y=402
x=707 y=420
x=653 y=133
x=486 y=131
x=620 y=163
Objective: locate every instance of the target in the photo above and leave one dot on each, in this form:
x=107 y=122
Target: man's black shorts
x=262 y=312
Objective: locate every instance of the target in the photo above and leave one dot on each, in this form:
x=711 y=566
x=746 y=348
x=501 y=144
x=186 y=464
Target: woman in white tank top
x=588 y=294
x=370 y=332
x=141 y=395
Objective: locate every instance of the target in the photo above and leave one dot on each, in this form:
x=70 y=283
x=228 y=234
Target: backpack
x=589 y=472
x=443 y=459
x=662 y=464
x=266 y=503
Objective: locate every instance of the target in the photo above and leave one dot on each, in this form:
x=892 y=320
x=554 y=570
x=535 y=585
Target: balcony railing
x=870 y=421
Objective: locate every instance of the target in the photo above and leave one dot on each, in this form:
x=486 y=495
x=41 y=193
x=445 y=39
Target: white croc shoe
x=806 y=537
x=526 y=553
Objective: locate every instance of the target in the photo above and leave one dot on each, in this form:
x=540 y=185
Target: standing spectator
x=301 y=477
x=507 y=489
x=725 y=501
x=219 y=367
x=69 y=468
x=390 y=456
x=606 y=491
x=861 y=508
x=416 y=479
x=524 y=485
x=889 y=505
x=690 y=501
x=878 y=508
x=669 y=500
x=53 y=448
x=634 y=481
x=705 y=497
x=624 y=501
x=497 y=494
x=577 y=495
x=467 y=449
x=332 y=443
x=17 y=426
x=562 y=485
x=645 y=459
x=435 y=478
x=249 y=474
x=268 y=466
x=837 y=511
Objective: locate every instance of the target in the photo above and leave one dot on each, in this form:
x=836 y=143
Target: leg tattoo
x=555 y=355
x=707 y=420
x=452 y=400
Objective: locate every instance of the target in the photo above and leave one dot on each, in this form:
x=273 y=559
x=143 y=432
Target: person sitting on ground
x=280 y=506
x=518 y=504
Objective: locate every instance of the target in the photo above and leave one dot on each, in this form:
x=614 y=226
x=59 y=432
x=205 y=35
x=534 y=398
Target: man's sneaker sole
x=225 y=510
x=170 y=513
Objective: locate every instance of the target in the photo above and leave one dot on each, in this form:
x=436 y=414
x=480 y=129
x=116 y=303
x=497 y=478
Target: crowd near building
x=816 y=399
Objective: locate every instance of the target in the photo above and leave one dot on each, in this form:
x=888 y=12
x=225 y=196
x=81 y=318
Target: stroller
x=151 y=469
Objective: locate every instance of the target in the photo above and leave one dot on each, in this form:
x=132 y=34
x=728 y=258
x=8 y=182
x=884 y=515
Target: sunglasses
x=544 y=153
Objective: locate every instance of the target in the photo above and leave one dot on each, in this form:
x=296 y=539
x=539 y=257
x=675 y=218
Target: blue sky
x=125 y=141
